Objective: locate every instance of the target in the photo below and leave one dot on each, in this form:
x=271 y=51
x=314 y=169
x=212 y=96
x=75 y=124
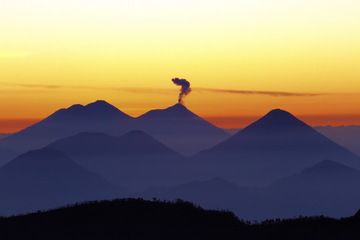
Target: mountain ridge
x=273 y=147
x=135 y=158
x=98 y=116
x=174 y=124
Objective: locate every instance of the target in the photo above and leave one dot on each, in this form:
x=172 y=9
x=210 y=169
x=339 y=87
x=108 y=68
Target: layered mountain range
x=276 y=167
x=327 y=188
x=171 y=126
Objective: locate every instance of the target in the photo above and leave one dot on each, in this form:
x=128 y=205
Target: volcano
x=275 y=146
x=98 y=116
x=181 y=129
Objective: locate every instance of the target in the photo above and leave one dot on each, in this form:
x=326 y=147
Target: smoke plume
x=185 y=88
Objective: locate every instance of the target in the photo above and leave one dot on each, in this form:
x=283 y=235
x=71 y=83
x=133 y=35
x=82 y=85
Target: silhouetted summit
x=176 y=111
x=181 y=129
x=99 y=116
x=98 y=109
x=275 y=146
x=277 y=120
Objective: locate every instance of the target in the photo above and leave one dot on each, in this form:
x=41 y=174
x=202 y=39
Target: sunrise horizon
x=10 y=126
x=242 y=58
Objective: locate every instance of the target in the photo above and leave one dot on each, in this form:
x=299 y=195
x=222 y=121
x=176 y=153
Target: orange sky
x=57 y=53
x=225 y=121
x=13 y=125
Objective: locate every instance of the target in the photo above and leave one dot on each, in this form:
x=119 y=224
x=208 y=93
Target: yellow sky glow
x=309 y=46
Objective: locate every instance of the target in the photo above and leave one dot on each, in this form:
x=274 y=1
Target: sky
x=242 y=57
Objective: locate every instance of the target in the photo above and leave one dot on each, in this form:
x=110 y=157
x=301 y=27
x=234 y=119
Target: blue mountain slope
x=181 y=129
x=47 y=178
x=99 y=116
x=134 y=160
x=275 y=146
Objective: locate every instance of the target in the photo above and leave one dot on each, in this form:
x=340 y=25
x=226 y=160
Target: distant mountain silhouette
x=99 y=116
x=275 y=146
x=181 y=129
x=327 y=188
x=134 y=160
x=47 y=178
x=328 y=168
x=176 y=127
x=347 y=136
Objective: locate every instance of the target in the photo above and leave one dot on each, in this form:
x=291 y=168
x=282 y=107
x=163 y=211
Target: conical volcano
x=277 y=145
x=181 y=129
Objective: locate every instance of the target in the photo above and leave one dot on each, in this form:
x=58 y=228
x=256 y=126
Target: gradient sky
x=54 y=53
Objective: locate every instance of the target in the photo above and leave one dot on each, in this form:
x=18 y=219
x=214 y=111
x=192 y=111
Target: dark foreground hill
x=123 y=219
x=139 y=219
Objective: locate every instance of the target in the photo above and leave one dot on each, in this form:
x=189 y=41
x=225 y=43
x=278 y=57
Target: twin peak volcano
x=170 y=126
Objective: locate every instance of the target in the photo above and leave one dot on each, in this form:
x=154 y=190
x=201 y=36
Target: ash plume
x=185 y=88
